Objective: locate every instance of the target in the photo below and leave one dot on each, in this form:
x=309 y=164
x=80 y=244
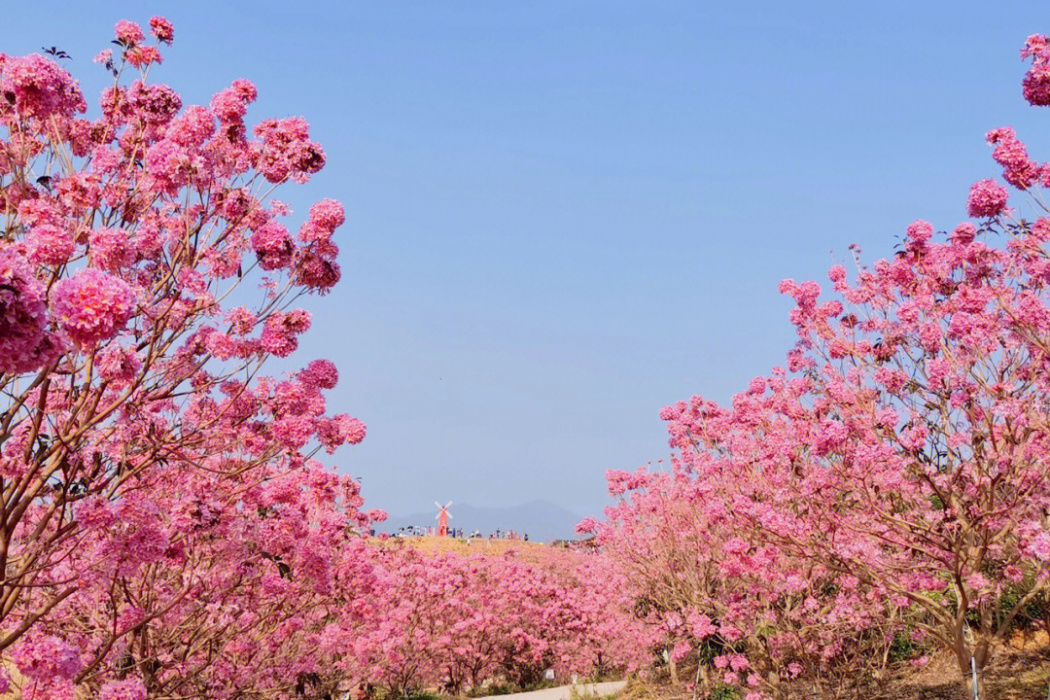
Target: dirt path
x=563 y=692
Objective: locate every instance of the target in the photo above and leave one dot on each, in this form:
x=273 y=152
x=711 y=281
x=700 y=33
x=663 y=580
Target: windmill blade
x=448 y=504
x=438 y=505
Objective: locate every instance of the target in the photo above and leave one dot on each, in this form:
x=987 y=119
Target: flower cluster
x=1009 y=152
x=91 y=306
x=1037 y=80
x=38 y=89
x=25 y=342
x=325 y=217
x=45 y=658
x=987 y=199
x=286 y=150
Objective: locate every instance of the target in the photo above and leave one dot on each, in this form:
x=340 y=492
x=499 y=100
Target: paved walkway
x=563 y=692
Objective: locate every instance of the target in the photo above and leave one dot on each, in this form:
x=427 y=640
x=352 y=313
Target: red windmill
x=442 y=518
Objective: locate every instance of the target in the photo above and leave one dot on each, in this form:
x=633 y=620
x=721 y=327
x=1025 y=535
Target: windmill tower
x=442 y=518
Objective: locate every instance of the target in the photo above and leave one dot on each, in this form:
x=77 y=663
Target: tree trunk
x=981 y=655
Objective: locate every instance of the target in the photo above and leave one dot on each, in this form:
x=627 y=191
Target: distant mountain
x=544 y=521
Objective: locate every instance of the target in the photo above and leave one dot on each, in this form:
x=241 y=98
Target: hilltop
x=542 y=520
x=528 y=551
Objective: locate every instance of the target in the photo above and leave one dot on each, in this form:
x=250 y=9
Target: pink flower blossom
x=1041 y=546
x=45 y=658
x=50 y=245
x=40 y=88
x=286 y=149
x=739 y=662
x=110 y=249
x=920 y=231
x=680 y=651
x=245 y=89
x=987 y=199
x=25 y=343
x=701 y=626
x=127 y=689
x=191 y=128
x=128 y=32
x=273 y=246
x=91 y=306
x=162 y=29
x=587 y=525
x=325 y=217
x=316 y=272
x=341 y=429
x=276 y=340
x=228 y=105
x=1018 y=170
x=963 y=234
x=155 y=104
x=118 y=364
x=241 y=320
x=321 y=374
x=1036 y=82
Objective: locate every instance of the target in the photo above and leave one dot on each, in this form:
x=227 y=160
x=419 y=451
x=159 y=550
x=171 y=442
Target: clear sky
x=563 y=216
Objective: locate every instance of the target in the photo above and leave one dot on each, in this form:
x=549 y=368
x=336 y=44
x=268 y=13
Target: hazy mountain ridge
x=542 y=520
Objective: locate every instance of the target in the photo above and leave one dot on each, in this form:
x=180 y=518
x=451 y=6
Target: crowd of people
x=497 y=534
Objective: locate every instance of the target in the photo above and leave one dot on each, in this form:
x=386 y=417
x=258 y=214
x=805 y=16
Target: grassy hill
x=528 y=551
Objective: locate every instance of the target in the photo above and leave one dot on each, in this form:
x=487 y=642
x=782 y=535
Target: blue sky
x=563 y=216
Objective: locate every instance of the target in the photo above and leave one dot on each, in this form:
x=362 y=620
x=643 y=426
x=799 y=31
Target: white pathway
x=563 y=692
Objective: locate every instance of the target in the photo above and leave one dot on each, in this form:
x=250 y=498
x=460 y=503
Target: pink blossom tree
x=153 y=480
x=455 y=621
x=720 y=594
x=902 y=454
